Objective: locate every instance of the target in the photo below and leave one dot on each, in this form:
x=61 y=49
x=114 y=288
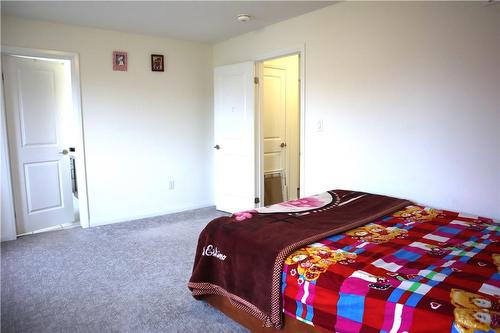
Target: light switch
x=319 y=126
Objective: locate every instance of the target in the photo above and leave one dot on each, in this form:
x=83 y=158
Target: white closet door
x=35 y=100
x=234 y=134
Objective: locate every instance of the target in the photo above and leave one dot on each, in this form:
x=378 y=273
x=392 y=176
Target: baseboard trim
x=187 y=208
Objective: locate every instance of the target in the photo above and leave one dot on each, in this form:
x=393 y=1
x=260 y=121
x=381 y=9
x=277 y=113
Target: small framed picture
x=120 y=60
x=157 y=63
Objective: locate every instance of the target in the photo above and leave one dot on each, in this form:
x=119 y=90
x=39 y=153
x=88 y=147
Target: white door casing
x=35 y=100
x=234 y=137
x=274 y=122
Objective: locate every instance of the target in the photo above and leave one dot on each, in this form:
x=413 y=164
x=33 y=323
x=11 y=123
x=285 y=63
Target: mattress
x=418 y=269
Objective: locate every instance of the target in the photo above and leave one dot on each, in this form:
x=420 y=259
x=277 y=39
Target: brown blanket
x=242 y=256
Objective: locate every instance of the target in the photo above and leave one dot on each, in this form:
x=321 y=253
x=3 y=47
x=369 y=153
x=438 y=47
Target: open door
x=234 y=134
x=35 y=101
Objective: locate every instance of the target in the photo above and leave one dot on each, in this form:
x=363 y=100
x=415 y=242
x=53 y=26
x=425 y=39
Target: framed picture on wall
x=157 y=63
x=120 y=60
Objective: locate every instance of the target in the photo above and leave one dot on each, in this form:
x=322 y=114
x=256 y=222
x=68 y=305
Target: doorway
x=240 y=132
x=45 y=140
x=279 y=132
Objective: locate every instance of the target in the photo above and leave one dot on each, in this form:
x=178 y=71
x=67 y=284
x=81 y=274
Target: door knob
x=64 y=152
x=283 y=145
x=217 y=147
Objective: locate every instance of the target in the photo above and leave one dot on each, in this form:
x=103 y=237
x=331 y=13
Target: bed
x=346 y=261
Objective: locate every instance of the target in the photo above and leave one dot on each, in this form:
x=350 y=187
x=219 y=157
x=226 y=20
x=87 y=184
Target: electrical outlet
x=171 y=185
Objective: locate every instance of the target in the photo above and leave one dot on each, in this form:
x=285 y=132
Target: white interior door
x=234 y=134
x=35 y=99
x=274 y=122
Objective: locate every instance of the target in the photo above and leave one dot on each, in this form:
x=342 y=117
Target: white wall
x=142 y=128
x=408 y=94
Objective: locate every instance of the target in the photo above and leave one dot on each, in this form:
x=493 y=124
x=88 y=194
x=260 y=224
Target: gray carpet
x=127 y=277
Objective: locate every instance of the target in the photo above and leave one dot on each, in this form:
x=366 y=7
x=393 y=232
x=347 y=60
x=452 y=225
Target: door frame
x=81 y=176
x=259 y=142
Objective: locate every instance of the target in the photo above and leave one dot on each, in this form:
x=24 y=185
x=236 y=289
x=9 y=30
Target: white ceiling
x=205 y=21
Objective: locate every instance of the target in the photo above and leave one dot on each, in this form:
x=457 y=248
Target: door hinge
x=256 y=80
x=3 y=78
x=257 y=200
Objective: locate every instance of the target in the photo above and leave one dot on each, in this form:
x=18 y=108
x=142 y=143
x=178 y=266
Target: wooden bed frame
x=245 y=319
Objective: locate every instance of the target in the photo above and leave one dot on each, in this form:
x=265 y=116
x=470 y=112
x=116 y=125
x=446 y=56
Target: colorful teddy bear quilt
x=416 y=270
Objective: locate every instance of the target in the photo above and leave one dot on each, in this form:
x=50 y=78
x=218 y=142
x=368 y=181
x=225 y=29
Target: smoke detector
x=243 y=17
